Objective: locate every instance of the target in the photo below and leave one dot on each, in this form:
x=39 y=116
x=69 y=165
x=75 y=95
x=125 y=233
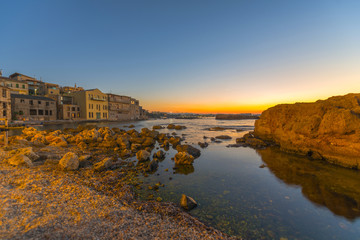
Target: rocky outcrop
x=142 y=155
x=326 y=129
x=183 y=158
x=189 y=149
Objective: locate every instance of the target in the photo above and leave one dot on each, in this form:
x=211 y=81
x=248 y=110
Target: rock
x=171 y=126
x=183 y=158
x=125 y=153
x=135 y=147
x=142 y=155
x=131 y=126
x=148 y=142
x=69 y=161
x=224 y=137
x=203 y=145
x=216 y=129
x=58 y=141
x=39 y=140
x=159 y=154
x=175 y=141
x=20 y=159
x=178 y=127
x=189 y=149
x=330 y=128
x=157 y=127
x=28 y=152
x=123 y=142
x=187 y=202
x=153 y=166
x=103 y=165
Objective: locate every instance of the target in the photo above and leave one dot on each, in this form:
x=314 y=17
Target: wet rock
x=103 y=165
x=179 y=127
x=203 y=144
x=187 y=202
x=148 y=142
x=224 y=137
x=69 y=161
x=158 y=127
x=125 y=153
x=249 y=140
x=216 y=129
x=142 y=155
x=175 y=141
x=20 y=159
x=189 y=149
x=183 y=158
x=236 y=145
x=123 y=142
x=159 y=154
x=131 y=126
x=135 y=147
x=171 y=126
x=153 y=166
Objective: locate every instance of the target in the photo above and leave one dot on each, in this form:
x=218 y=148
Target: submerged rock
x=225 y=137
x=187 y=202
x=326 y=129
x=203 y=144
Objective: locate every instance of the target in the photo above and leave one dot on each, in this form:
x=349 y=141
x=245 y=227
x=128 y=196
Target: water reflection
x=333 y=187
x=184 y=169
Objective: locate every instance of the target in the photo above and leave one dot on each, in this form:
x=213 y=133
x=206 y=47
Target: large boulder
x=326 y=129
x=189 y=149
x=20 y=159
x=69 y=161
x=183 y=158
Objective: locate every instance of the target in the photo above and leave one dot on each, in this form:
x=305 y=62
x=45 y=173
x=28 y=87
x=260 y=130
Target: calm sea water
x=291 y=198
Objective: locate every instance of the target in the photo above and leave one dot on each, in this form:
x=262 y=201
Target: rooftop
x=31 y=97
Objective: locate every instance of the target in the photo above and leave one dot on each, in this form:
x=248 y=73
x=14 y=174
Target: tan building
x=93 y=104
x=68 y=89
x=67 y=110
x=32 y=108
x=119 y=107
x=5 y=103
x=16 y=86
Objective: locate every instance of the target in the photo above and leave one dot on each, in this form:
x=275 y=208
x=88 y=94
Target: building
x=93 y=104
x=68 y=89
x=119 y=107
x=5 y=103
x=134 y=109
x=15 y=86
x=67 y=110
x=32 y=108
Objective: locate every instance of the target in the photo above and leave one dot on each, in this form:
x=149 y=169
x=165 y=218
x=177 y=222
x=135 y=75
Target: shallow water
x=291 y=198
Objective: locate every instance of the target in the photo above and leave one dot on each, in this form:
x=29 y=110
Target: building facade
x=32 y=108
x=119 y=107
x=134 y=109
x=93 y=104
x=5 y=103
x=15 y=86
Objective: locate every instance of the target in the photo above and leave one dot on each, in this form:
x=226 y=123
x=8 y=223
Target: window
x=4 y=92
x=89 y=114
x=17 y=85
x=21 y=112
x=31 y=103
x=92 y=115
x=33 y=112
x=41 y=112
x=78 y=115
x=47 y=103
x=46 y=112
x=4 y=113
x=23 y=86
x=73 y=109
x=22 y=100
x=4 y=105
x=39 y=102
x=92 y=106
x=50 y=112
x=89 y=106
x=68 y=108
x=78 y=108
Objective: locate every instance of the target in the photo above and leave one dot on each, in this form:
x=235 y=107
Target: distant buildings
x=29 y=99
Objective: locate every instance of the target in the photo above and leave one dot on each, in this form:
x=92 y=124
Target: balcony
x=97 y=99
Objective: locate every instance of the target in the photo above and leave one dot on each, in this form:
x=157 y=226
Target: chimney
x=0 y=72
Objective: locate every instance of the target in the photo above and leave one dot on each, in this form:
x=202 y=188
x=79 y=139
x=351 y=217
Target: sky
x=198 y=56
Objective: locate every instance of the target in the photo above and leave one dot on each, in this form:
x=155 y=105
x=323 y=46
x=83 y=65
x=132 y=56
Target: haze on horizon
x=188 y=56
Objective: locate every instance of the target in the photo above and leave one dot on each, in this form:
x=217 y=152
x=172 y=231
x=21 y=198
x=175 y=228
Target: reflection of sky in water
x=291 y=198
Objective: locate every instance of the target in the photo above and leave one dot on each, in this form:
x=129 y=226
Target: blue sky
x=188 y=55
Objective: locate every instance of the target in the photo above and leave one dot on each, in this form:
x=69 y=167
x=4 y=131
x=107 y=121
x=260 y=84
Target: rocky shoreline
x=327 y=130
x=77 y=183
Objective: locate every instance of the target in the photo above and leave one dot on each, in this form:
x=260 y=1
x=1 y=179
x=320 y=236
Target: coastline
x=42 y=199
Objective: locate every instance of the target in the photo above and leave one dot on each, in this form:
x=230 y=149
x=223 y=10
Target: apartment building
x=119 y=107
x=93 y=104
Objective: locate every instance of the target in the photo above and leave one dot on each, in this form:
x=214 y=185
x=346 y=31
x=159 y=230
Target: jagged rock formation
x=326 y=129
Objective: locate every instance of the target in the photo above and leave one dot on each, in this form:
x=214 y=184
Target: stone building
x=15 y=86
x=5 y=103
x=119 y=107
x=67 y=110
x=32 y=108
x=134 y=109
x=68 y=89
x=93 y=104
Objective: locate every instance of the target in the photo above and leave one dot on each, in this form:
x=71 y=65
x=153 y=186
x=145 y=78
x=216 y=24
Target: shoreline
x=44 y=200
